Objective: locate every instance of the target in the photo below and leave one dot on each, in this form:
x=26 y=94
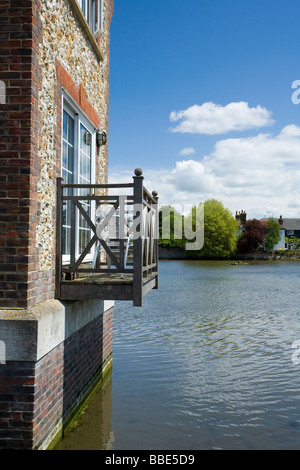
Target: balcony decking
x=125 y=269
x=102 y=287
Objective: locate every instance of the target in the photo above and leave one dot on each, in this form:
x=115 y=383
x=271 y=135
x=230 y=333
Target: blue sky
x=200 y=98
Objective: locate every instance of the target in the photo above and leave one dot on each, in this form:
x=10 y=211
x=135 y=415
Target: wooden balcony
x=107 y=244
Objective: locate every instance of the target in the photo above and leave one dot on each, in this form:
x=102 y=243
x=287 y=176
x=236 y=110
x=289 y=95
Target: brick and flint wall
x=44 y=50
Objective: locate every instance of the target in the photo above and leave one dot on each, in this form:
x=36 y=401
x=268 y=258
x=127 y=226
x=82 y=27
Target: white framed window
x=93 y=13
x=78 y=167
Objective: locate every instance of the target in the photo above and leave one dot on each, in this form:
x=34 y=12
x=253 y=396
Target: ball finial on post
x=138 y=172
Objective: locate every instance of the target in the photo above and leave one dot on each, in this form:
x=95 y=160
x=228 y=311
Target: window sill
x=87 y=29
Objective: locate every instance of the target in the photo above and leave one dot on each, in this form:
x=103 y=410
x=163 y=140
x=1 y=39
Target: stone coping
x=27 y=335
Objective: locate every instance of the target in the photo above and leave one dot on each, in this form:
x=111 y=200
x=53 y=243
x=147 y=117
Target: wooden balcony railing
x=106 y=244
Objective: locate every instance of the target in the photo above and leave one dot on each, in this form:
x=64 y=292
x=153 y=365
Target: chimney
x=242 y=216
x=280 y=220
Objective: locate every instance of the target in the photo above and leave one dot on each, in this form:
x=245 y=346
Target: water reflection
x=94 y=429
x=207 y=362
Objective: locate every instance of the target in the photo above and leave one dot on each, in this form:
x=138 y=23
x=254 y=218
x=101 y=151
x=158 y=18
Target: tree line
x=224 y=236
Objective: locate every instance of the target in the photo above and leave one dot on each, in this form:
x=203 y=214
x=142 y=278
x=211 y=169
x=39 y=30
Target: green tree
x=170 y=227
x=293 y=242
x=273 y=234
x=220 y=230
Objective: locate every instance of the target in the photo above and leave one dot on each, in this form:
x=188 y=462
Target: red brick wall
x=34 y=397
x=16 y=381
x=20 y=34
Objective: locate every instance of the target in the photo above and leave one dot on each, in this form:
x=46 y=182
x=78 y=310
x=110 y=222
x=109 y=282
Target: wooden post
x=156 y=236
x=73 y=235
x=138 y=239
x=58 y=261
x=121 y=232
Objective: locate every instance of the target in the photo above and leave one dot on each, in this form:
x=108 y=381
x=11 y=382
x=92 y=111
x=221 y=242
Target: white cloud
x=192 y=177
x=213 y=119
x=254 y=174
x=187 y=151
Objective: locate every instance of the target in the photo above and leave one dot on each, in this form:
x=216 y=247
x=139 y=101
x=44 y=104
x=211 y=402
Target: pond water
x=209 y=362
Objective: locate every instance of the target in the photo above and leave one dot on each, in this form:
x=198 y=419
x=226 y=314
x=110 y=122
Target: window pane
x=84 y=168
x=71 y=131
x=93 y=16
x=64 y=155
x=85 y=155
x=92 y=11
x=84 y=4
x=68 y=176
x=68 y=148
x=65 y=127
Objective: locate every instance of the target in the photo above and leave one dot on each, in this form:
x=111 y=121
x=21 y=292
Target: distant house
x=291 y=228
x=288 y=228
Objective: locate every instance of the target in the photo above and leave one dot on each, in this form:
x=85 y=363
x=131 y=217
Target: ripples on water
x=207 y=362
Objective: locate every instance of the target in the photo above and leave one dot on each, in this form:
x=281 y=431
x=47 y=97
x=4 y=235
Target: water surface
x=205 y=364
